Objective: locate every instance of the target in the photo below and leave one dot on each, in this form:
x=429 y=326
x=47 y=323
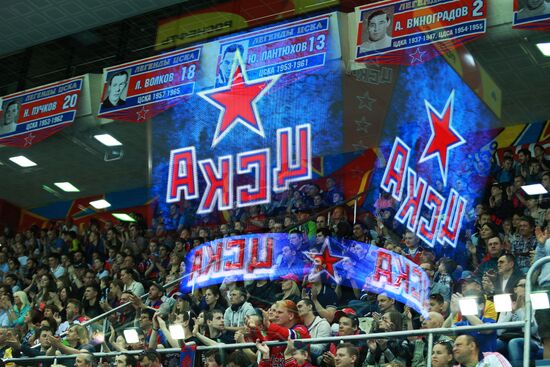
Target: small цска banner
x=263 y=256
x=531 y=14
x=400 y=31
x=278 y=50
x=33 y=115
x=139 y=90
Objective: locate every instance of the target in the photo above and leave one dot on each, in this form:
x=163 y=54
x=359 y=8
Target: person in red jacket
x=293 y=357
x=286 y=324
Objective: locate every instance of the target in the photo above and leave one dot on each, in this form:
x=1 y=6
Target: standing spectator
x=543 y=316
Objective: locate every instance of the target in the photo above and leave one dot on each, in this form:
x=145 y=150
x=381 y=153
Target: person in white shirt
x=377 y=28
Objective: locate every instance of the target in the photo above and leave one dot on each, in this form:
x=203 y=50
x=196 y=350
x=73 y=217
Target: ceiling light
x=176 y=331
x=66 y=186
x=535 y=189
x=22 y=161
x=123 y=217
x=544 y=48
x=468 y=306
x=503 y=302
x=100 y=204
x=539 y=301
x=131 y=336
x=108 y=140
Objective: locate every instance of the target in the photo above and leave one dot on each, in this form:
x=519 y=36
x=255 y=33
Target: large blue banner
x=266 y=103
x=264 y=256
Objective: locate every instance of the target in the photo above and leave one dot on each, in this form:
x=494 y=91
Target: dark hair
x=238 y=358
x=510 y=257
x=130 y=359
x=529 y=220
x=233 y=48
x=438 y=298
x=377 y=13
x=353 y=318
x=214 y=354
x=209 y=316
x=525 y=151
x=151 y=354
x=325 y=231
x=118 y=73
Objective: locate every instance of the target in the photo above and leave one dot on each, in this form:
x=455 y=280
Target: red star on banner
x=142 y=114
x=417 y=56
x=237 y=101
x=443 y=138
x=329 y=260
x=28 y=139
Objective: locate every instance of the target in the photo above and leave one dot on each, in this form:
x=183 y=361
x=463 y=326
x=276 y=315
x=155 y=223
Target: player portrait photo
x=116 y=89
x=226 y=62
x=533 y=8
x=376 y=30
x=11 y=115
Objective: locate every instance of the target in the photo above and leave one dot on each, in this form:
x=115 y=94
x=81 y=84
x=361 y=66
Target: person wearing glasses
x=510 y=341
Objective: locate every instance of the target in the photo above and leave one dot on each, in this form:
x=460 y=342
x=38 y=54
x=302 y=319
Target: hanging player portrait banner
x=239 y=146
x=279 y=50
x=139 y=90
x=31 y=116
x=414 y=31
x=267 y=256
x=531 y=14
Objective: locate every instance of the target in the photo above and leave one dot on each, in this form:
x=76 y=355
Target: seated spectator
x=90 y=302
x=507 y=277
x=262 y=293
x=419 y=350
x=85 y=360
x=128 y=278
x=290 y=289
x=21 y=306
x=75 y=315
x=316 y=326
x=412 y=251
x=523 y=243
x=495 y=249
x=215 y=332
x=487 y=339
x=237 y=311
x=323 y=297
x=125 y=360
x=510 y=342
x=442 y=354
x=381 y=351
x=348 y=324
x=467 y=352
x=150 y=358
x=286 y=325
x=77 y=340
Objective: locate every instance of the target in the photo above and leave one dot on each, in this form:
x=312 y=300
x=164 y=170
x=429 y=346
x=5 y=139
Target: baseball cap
x=347 y=311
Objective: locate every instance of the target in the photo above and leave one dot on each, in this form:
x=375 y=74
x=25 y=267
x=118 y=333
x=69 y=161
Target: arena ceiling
x=51 y=28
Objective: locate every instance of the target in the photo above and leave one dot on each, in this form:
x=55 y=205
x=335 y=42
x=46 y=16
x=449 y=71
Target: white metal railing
x=420 y=332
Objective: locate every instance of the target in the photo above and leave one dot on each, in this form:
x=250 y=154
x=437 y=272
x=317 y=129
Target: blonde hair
x=23 y=297
x=82 y=333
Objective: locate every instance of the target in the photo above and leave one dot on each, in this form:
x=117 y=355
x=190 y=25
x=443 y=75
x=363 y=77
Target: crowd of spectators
x=58 y=277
